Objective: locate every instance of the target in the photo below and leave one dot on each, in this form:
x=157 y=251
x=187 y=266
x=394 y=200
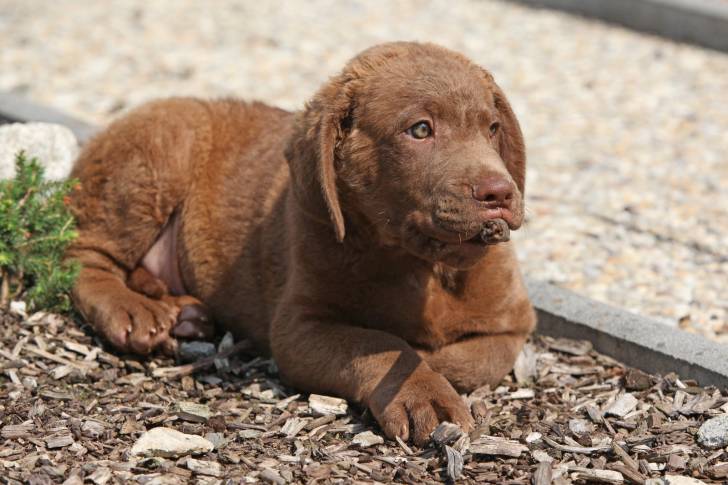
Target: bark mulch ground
x=71 y=411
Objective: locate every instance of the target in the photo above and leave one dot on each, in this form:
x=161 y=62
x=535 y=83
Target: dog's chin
x=457 y=249
x=460 y=255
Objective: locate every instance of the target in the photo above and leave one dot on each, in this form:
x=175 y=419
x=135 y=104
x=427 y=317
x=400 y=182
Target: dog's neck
x=452 y=280
x=393 y=261
x=373 y=259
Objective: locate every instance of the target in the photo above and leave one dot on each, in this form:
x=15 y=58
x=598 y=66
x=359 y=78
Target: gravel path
x=626 y=132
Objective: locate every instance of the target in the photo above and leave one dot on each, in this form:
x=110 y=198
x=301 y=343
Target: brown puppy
x=357 y=264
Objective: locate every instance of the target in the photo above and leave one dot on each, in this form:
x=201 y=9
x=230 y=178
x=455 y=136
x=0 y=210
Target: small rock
x=446 y=433
x=533 y=437
x=622 y=406
x=195 y=350
x=209 y=468
x=323 y=405
x=55 y=146
x=367 y=439
x=170 y=443
x=192 y=411
x=218 y=440
x=30 y=382
x=580 y=426
x=714 y=432
x=18 y=307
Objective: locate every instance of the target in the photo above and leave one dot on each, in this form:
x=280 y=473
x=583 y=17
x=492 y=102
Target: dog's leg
x=477 y=361
x=129 y=320
x=485 y=359
x=133 y=178
x=382 y=371
x=140 y=314
x=193 y=318
x=109 y=247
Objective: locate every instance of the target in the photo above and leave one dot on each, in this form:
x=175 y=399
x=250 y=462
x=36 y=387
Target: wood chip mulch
x=71 y=410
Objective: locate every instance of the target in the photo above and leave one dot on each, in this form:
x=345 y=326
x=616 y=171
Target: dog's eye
x=494 y=127
x=420 y=130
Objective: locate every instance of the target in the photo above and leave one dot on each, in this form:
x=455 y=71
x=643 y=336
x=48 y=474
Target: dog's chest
x=453 y=310
x=444 y=307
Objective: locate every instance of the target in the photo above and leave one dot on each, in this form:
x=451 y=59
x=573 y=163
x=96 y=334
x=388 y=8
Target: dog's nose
x=495 y=191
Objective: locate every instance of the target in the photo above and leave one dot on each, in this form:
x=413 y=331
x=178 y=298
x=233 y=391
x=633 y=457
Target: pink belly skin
x=161 y=259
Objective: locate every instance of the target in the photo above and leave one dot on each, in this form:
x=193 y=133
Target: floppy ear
x=510 y=139
x=311 y=153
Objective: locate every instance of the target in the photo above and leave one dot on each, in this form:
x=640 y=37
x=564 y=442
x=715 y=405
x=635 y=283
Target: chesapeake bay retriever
x=344 y=240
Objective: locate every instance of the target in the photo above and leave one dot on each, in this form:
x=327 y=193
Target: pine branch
x=35 y=230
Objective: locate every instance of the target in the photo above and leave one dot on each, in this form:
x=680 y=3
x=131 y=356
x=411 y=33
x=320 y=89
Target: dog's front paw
x=417 y=406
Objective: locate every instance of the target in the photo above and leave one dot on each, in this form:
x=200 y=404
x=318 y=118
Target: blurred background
x=627 y=190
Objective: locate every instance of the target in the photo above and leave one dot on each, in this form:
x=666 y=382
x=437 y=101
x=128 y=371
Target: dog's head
x=412 y=144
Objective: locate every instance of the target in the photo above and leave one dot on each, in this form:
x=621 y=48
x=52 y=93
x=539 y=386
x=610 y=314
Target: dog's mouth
x=492 y=227
x=457 y=236
x=433 y=237
x=490 y=232
x=494 y=231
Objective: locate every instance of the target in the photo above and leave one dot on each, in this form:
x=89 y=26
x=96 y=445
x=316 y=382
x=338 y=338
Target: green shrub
x=36 y=226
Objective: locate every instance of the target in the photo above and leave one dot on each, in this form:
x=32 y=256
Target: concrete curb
x=701 y=22
x=632 y=339
x=15 y=108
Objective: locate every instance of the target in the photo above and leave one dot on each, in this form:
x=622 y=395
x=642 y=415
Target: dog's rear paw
x=418 y=406
x=131 y=322
x=193 y=321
